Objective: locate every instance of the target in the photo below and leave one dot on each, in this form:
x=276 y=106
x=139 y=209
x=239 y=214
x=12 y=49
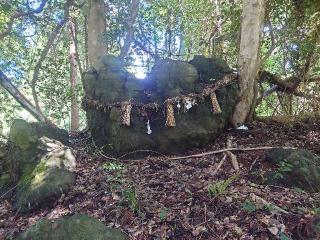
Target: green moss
x=41 y=185
x=173 y=78
x=210 y=69
x=5 y=183
x=294 y=168
x=22 y=134
x=76 y=227
x=43 y=129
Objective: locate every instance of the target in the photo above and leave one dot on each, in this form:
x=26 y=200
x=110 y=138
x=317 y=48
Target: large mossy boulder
x=24 y=151
x=294 y=168
x=24 y=134
x=195 y=126
x=42 y=185
x=37 y=163
x=76 y=227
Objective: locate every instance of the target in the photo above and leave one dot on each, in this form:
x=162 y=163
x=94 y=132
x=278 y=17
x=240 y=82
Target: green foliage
x=112 y=166
x=163 y=214
x=283 y=167
x=220 y=187
x=298 y=190
x=249 y=206
x=284 y=236
x=130 y=196
x=118 y=184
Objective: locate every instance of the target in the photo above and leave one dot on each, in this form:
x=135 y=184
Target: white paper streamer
x=149 y=131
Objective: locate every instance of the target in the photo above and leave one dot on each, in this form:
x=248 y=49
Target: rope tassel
x=126 y=113
x=171 y=121
x=215 y=104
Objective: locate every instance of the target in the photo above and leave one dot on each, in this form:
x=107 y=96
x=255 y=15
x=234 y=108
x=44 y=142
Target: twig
x=11 y=189
x=253 y=163
x=219 y=165
x=224 y=150
x=141 y=151
x=232 y=157
x=262 y=202
x=106 y=157
x=99 y=151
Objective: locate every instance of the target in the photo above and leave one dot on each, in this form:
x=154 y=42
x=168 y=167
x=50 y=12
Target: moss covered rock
x=195 y=127
x=112 y=83
x=173 y=78
x=76 y=227
x=210 y=69
x=22 y=134
x=24 y=151
x=294 y=168
x=42 y=185
x=25 y=135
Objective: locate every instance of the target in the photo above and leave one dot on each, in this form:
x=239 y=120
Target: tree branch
x=130 y=31
x=272 y=47
x=289 y=85
x=10 y=23
x=143 y=48
x=20 y=98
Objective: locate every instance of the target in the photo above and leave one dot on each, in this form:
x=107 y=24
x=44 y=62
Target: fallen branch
x=232 y=157
x=262 y=203
x=220 y=165
x=224 y=150
x=140 y=151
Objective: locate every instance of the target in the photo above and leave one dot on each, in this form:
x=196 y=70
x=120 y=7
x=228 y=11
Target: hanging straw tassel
x=171 y=121
x=126 y=113
x=215 y=104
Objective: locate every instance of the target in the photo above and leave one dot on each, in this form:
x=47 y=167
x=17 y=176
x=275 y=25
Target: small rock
x=274 y=230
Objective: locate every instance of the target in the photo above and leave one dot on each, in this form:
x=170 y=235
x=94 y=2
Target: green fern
x=220 y=187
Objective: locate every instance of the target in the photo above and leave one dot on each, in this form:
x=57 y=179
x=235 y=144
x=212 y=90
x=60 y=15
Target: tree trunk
x=96 y=29
x=73 y=75
x=130 y=30
x=20 y=98
x=248 y=59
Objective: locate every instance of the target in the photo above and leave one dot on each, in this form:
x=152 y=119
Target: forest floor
x=157 y=198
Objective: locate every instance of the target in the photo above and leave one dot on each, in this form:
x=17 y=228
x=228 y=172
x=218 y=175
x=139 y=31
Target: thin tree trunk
x=86 y=42
x=248 y=60
x=130 y=31
x=51 y=38
x=96 y=29
x=73 y=75
x=20 y=98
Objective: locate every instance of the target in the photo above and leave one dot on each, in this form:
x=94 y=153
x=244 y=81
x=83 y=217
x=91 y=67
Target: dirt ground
x=157 y=198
